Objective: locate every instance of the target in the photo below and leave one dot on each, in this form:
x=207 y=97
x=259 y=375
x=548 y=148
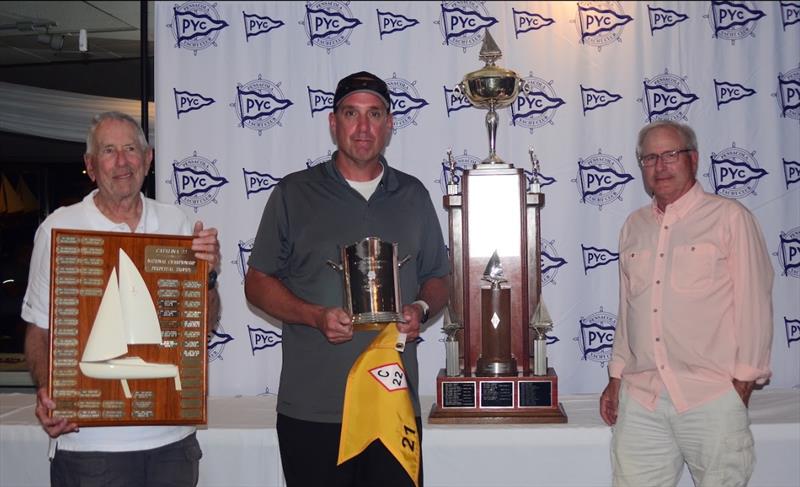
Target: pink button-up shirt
x=695 y=301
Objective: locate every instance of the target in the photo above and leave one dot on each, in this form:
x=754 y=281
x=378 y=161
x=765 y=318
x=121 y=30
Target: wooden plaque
x=128 y=325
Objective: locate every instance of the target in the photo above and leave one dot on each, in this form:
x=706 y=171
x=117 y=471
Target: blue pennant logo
x=261 y=339
x=733 y=21
x=389 y=23
x=727 y=92
x=791 y=171
x=186 y=101
x=329 y=24
x=661 y=100
x=594 y=98
x=528 y=21
x=196 y=25
x=792 y=330
x=600 y=27
x=462 y=24
x=790 y=13
x=595 y=257
x=661 y=18
x=319 y=100
x=256 y=25
x=255 y=182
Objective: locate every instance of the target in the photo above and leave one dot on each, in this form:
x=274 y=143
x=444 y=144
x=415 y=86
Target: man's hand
x=609 y=401
x=412 y=314
x=54 y=427
x=336 y=325
x=744 y=389
x=205 y=244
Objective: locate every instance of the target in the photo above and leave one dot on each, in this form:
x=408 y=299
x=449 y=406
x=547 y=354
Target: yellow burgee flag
x=377 y=405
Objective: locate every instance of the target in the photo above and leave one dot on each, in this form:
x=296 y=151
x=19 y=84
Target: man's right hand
x=336 y=325
x=609 y=401
x=54 y=426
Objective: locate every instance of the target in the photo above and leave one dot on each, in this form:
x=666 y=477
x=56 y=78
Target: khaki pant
x=648 y=449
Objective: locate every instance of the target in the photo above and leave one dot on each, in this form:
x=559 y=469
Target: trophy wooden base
x=497 y=400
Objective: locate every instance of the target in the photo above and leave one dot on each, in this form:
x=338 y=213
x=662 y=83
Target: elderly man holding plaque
x=117 y=159
x=695 y=326
x=310 y=216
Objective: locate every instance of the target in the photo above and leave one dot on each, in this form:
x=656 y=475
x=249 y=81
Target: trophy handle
x=335 y=266
x=524 y=86
x=405 y=259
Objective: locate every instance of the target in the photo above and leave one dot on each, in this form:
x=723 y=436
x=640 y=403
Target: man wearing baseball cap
x=309 y=216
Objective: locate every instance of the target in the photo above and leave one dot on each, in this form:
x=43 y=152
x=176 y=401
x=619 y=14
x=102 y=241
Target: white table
x=240 y=446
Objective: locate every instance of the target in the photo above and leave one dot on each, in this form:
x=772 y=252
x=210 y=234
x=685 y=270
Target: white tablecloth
x=240 y=446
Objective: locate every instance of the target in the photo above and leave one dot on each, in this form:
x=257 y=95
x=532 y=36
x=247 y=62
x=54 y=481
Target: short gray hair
x=686 y=132
x=118 y=116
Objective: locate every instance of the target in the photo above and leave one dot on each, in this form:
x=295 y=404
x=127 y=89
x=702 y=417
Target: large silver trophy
x=492 y=88
x=496 y=278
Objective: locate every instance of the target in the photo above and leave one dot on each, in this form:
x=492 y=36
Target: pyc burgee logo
x=600 y=23
x=196 y=25
x=255 y=25
x=788 y=93
x=462 y=23
x=525 y=21
x=662 y=18
x=596 y=337
x=536 y=105
x=406 y=102
x=389 y=23
x=733 y=20
x=666 y=97
x=734 y=172
x=260 y=104
x=329 y=24
x=186 y=101
x=601 y=179
x=196 y=181
x=789 y=252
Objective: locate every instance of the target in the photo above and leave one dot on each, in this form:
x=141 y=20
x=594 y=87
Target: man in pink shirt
x=694 y=328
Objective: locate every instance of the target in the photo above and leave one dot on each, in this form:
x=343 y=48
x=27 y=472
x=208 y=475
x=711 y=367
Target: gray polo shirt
x=310 y=215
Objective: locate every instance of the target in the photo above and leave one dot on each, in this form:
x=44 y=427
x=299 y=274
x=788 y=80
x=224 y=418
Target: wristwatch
x=212 y=279
x=425 y=310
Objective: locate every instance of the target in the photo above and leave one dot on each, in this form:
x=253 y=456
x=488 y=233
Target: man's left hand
x=206 y=245
x=744 y=388
x=412 y=313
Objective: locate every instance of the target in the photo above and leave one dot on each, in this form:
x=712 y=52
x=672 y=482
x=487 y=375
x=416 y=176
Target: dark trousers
x=173 y=465
x=309 y=452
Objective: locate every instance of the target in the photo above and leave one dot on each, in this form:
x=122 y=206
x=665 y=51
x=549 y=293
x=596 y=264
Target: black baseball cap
x=361 y=82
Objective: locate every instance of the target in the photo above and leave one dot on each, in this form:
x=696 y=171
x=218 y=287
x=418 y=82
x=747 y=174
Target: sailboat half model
x=126 y=316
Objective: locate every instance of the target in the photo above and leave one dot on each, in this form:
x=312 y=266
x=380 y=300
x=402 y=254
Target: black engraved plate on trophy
x=535 y=394
x=458 y=394
x=497 y=394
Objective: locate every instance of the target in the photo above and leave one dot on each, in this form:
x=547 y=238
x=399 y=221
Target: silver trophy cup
x=370 y=276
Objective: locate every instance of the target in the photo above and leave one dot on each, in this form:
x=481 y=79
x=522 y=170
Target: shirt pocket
x=638 y=267
x=693 y=267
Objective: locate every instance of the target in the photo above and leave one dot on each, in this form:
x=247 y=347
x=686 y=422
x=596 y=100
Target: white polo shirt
x=156 y=218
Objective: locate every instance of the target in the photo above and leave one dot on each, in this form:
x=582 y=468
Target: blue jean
x=173 y=465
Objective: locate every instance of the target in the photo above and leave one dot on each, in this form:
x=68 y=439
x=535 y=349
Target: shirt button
x=658 y=281
x=661 y=254
x=655 y=310
x=666 y=227
x=658 y=339
x=662 y=367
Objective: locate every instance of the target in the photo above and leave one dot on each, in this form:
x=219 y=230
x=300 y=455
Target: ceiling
x=32 y=32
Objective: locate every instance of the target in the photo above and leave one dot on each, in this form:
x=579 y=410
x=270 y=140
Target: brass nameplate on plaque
x=128 y=324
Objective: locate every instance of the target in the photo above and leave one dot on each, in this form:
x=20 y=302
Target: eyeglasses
x=668 y=157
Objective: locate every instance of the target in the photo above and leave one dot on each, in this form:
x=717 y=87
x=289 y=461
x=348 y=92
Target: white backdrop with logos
x=243 y=91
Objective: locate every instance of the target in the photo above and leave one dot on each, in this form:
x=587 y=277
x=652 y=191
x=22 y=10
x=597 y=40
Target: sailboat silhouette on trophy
x=126 y=316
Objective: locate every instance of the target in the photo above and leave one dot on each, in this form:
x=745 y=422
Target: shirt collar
x=147 y=223
x=388 y=181
x=682 y=205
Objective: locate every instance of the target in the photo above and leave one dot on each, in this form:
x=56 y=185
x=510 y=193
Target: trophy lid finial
x=490 y=52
